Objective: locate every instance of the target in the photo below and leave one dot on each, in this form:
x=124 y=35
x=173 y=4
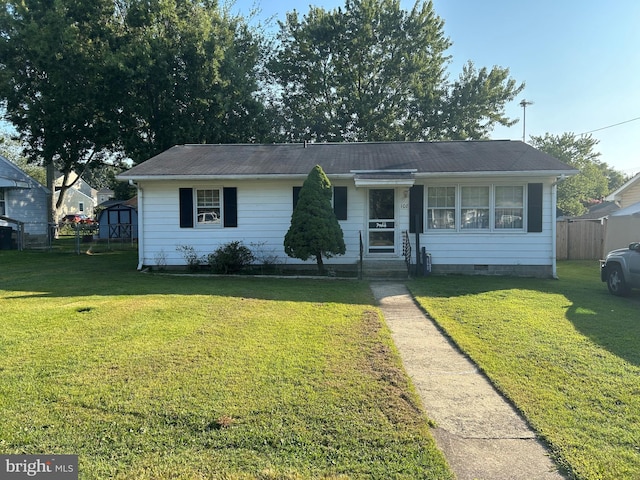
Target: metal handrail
x=361 y=256
x=406 y=249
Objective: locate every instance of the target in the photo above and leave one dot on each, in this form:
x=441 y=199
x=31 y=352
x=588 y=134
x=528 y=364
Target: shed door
x=119 y=223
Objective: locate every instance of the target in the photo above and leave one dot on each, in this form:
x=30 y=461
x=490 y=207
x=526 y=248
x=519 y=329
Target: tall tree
x=192 y=77
x=474 y=104
x=56 y=80
x=87 y=83
x=314 y=231
x=592 y=182
x=374 y=71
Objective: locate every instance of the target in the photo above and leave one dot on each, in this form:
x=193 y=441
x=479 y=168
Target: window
x=81 y=206
x=205 y=208
x=441 y=211
x=474 y=208
x=484 y=207
x=509 y=210
x=3 y=210
x=208 y=207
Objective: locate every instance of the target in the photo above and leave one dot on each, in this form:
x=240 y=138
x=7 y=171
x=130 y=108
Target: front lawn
x=565 y=351
x=153 y=376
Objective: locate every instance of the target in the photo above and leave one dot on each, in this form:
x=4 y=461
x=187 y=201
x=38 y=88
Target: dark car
x=75 y=218
x=621 y=269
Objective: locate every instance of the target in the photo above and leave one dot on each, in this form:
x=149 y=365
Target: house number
x=404 y=205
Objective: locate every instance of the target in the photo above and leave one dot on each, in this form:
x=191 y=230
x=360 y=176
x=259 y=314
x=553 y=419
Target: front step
x=385 y=269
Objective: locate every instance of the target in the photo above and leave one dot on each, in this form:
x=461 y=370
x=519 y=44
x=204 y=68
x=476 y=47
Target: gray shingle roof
x=344 y=158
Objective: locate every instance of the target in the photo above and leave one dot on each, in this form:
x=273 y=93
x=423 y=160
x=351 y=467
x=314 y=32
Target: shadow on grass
x=609 y=321
x=104 y=272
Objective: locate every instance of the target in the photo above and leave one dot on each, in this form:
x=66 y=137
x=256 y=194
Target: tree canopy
x=56 y=80
x=191 y=73
x=91 y=82
x=373 y=71
x=88 y=83
x=314 y=231
x=595 y=180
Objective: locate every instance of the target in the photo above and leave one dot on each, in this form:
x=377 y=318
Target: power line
x=610 y=126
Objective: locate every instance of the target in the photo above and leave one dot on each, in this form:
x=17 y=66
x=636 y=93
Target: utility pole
x=524 y=104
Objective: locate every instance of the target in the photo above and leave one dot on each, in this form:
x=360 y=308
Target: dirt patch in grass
x=399 y=402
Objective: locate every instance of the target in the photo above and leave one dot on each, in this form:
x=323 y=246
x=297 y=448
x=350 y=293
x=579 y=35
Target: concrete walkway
x=479 y=432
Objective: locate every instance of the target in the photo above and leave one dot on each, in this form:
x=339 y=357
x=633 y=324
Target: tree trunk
x=319 y=262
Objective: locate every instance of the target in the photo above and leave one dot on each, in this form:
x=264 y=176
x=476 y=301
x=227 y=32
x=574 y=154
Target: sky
x=579 y=60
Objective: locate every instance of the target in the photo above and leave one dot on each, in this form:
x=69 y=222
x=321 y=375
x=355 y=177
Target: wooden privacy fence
x=581 y=240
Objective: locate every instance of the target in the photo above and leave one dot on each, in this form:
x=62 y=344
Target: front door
x=381 y=222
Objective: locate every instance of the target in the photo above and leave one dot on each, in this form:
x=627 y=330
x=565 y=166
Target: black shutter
x=416 y=209
x=230 y=197
x=534 y=208
x=186 y=208
x=296 y=194
x=340 y=202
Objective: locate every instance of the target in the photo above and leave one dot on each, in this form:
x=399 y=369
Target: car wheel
x=616 y=282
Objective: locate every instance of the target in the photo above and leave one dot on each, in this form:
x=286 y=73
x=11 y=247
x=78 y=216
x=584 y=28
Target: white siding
x=264 y=215
x=28 y=205
x=495 y=247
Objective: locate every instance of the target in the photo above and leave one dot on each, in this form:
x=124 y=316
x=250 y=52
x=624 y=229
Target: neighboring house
x=118 y=219
x=477 y=206
x=23 y=205
x=80 y=198
x=622 y=226
x=598 y=212
x=104 y=195
x=628 y=194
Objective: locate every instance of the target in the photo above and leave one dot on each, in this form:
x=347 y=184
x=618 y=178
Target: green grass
x=157 y=376
x=565 y=351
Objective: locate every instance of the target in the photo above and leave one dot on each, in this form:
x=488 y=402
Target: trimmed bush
x=230 y=258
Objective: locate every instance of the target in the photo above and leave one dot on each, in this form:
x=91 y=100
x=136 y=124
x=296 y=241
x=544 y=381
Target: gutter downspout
x=554 y=199
x=554 y=234
x=140 y=223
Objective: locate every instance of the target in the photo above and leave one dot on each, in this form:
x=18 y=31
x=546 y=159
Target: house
x=622 y=226
x=23 y=207
x=79 y=198
x=118 y=219
x=597 y=211
x=627 y=194
x=477 y=206
x=104 y=195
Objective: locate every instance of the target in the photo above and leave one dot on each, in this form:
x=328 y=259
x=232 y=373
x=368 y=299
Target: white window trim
x=495 y=207
x=492 y=210
x=454 y=208
x=220 y=221
x=459 y=209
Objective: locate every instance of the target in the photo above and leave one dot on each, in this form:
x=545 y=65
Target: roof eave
x=500 y=173
x=616 y=195
x=272 y=176
x=200 y=178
